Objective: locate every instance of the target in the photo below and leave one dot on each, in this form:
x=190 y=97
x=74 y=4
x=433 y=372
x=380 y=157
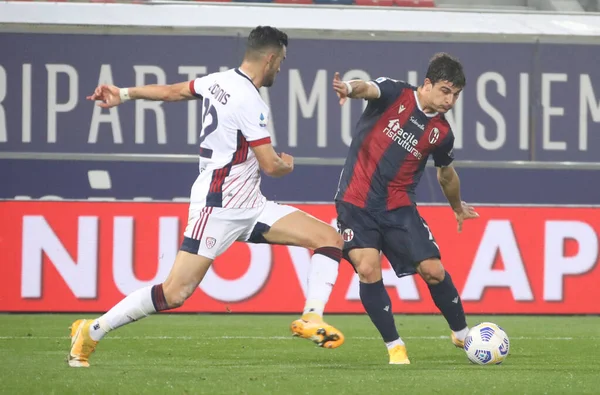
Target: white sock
x=135 y=306
x=460 y=335
x=321 y=277
x=314 y=307
x=397 y=342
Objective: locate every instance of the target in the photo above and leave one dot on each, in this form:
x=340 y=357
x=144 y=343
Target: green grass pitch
x=255 y=354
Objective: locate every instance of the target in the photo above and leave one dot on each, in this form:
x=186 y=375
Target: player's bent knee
x=368 y=272
x=432 y=280
x=432 y=271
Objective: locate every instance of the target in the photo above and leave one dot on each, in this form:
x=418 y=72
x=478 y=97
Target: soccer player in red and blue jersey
x=401 y=127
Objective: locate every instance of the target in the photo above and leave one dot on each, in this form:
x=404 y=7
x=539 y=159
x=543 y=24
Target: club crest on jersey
x=434 y=135
x=210 y=242
x=347 y=235
x=262 y=120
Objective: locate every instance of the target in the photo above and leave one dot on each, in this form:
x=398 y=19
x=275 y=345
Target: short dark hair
x=263 y=37
x=444 y=67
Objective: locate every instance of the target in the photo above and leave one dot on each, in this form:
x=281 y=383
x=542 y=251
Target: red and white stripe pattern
x=243 y=188
x=201 y=222
x=237 y=185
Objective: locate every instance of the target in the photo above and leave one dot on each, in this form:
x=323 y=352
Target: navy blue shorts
x=401 y=234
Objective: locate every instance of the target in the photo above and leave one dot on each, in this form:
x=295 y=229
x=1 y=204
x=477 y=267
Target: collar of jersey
x=240 y=72
x=420 y=108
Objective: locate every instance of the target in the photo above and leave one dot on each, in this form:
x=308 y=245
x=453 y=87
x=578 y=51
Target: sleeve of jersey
x=195 y=88
x=444 y=154
x=253 y=126
x=389 y=89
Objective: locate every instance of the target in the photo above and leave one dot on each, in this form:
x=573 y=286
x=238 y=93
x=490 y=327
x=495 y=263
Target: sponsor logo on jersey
x=420 y=125
x=404 y=139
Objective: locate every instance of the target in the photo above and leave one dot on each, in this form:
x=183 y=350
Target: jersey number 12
x=208 y=126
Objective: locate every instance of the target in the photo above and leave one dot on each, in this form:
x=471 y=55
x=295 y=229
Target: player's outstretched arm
x=354 y=89
x=110 y=96
x=272 y=164
x=450 y=183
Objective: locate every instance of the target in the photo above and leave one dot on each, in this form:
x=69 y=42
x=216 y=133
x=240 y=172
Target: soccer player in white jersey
x=226 y=203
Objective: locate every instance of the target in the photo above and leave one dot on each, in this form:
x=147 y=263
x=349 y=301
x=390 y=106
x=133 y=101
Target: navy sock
x=446 y=298
x=378 y=305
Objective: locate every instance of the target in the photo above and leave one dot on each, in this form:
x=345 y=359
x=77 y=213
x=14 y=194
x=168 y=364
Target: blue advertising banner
x=568 y=115
x=40 y=179
x=511 y=89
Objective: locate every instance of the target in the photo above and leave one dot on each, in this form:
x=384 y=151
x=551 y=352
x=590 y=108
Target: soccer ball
x=487 y=344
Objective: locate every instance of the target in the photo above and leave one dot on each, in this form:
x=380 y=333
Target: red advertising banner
x=86 y=256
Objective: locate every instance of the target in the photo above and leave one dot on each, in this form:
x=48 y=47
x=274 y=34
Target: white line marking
x=276 y=338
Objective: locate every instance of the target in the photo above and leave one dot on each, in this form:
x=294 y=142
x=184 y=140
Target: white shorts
x=212 y=230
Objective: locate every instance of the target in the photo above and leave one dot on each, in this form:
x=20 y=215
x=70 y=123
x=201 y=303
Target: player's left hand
x=465 y=212
x=107 y=95
x=340 y=88
x=288 y=160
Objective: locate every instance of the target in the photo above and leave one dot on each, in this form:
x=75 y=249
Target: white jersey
x=234 y=118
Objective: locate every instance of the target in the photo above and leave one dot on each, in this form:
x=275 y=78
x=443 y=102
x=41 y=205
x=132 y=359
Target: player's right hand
x=465 y=212
x=340 y=88
x=107 y=95
x=288 y=160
